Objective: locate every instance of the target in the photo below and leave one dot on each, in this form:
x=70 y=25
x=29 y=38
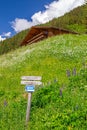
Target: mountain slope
x=61 y=102
x=75 y=20
x=12 y=43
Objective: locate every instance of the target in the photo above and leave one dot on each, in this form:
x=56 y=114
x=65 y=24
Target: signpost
x=30 y=82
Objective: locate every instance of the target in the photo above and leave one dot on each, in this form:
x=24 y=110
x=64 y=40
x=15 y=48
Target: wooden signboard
x=32 y=78
x=30 y=82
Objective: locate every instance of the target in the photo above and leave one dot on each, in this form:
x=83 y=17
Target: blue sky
x=18 y=15
x=24 y=9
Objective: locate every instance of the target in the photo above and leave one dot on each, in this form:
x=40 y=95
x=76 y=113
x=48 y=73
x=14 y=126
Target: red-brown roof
x=37 y=33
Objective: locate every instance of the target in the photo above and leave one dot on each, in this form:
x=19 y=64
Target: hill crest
x=75 y=20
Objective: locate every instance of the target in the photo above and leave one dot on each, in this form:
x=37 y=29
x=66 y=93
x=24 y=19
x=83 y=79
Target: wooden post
x=28 y=107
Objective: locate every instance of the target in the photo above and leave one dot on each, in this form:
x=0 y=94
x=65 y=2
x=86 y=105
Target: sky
x=18 y=15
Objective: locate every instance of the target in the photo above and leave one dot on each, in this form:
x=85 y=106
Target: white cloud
x=1 y=38
x=8 y=34
x=4 y=36
x=53 y=10
x=21 y=24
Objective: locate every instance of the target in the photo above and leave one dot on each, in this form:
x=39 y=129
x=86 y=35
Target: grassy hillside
x=60 y=103
x=76 y=20
x=12 y=43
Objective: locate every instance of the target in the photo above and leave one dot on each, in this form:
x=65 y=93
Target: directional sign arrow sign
x=31 y=82
x=32 y=78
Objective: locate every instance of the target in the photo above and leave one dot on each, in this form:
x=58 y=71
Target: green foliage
x=75 y=20
x=79 y=80
x=12 y=115
x=51 y=110
x=12 y=43
x=58 y=104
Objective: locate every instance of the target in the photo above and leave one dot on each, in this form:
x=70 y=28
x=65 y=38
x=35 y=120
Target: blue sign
x=29 y=88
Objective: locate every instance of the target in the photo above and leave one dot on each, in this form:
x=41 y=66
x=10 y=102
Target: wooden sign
x=32 y=78
x=30 y=82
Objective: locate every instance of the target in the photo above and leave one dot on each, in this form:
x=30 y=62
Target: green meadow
x=60 y=103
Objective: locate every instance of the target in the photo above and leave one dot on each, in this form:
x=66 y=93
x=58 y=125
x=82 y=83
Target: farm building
x=37 y=33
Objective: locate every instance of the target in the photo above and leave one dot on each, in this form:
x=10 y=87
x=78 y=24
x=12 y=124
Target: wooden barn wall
x=47 y=32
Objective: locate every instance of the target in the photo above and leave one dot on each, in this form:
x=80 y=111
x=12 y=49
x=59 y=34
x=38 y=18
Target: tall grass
x=50 y=59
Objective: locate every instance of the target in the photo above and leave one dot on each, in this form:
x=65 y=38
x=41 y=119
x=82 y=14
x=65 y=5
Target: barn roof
x=37 y=33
